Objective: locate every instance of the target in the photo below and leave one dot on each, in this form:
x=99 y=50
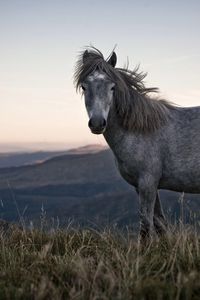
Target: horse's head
x=98 y=92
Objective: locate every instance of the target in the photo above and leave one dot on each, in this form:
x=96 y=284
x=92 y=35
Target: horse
x=156 y=143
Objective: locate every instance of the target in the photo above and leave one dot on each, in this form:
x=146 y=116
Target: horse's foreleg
x=147 y=190
x=160 y=222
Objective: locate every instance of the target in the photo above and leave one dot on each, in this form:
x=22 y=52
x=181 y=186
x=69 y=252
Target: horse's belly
x=187 y=181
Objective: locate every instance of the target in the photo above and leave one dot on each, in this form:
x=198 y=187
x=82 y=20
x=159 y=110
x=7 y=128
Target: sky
x=40 y=41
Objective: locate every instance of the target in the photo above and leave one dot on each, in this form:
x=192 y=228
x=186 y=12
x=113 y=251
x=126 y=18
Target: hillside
x=83 y=185
x=63 y=169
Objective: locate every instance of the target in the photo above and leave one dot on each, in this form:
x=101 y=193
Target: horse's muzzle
x=97 y=125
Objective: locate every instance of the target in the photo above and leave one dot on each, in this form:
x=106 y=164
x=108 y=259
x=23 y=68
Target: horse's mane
x=136 y=109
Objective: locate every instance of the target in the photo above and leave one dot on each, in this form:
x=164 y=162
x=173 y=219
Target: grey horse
x=156 y=143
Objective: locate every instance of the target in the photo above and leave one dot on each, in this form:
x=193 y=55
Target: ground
x=90 y=264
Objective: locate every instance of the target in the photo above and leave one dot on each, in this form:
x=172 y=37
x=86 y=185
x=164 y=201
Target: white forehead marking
x=96 y=75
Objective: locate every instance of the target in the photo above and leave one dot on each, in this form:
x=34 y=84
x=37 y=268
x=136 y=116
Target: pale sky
x=40 y=41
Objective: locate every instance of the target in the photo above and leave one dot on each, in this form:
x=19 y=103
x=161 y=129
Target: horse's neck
x=114 y=133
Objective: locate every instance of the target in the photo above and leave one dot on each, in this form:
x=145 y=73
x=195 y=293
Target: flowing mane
x=136 y=109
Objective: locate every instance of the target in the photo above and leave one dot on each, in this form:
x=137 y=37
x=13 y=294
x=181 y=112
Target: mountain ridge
x=16 y=159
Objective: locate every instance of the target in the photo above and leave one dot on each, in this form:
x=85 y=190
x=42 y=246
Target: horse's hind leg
x=159 y=220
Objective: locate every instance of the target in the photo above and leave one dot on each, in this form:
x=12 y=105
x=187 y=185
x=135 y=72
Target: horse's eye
x=112 y=88
x=83 y=88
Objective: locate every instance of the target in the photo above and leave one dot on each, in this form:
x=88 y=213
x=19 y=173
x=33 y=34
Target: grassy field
x=87 y=264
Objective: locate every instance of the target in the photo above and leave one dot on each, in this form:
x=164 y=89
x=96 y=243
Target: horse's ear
x=85 y=55
x=112 y=60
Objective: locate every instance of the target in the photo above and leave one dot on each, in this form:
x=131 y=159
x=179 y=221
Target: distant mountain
x=87 y=149
x=31 y=147
x=19 y=159
x=16 y=159
x=82 y=184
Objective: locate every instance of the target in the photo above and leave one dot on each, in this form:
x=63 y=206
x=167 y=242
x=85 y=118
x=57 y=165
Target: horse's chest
x=128 y=172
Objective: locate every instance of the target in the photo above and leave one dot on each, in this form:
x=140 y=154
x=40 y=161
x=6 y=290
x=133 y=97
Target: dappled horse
x=156 y=143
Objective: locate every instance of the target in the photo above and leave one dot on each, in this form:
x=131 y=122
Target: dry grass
x=86 y=264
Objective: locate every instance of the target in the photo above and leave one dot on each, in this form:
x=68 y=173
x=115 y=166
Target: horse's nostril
x=104 y=123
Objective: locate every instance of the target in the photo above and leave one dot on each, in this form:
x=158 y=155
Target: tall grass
x=87 y=264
